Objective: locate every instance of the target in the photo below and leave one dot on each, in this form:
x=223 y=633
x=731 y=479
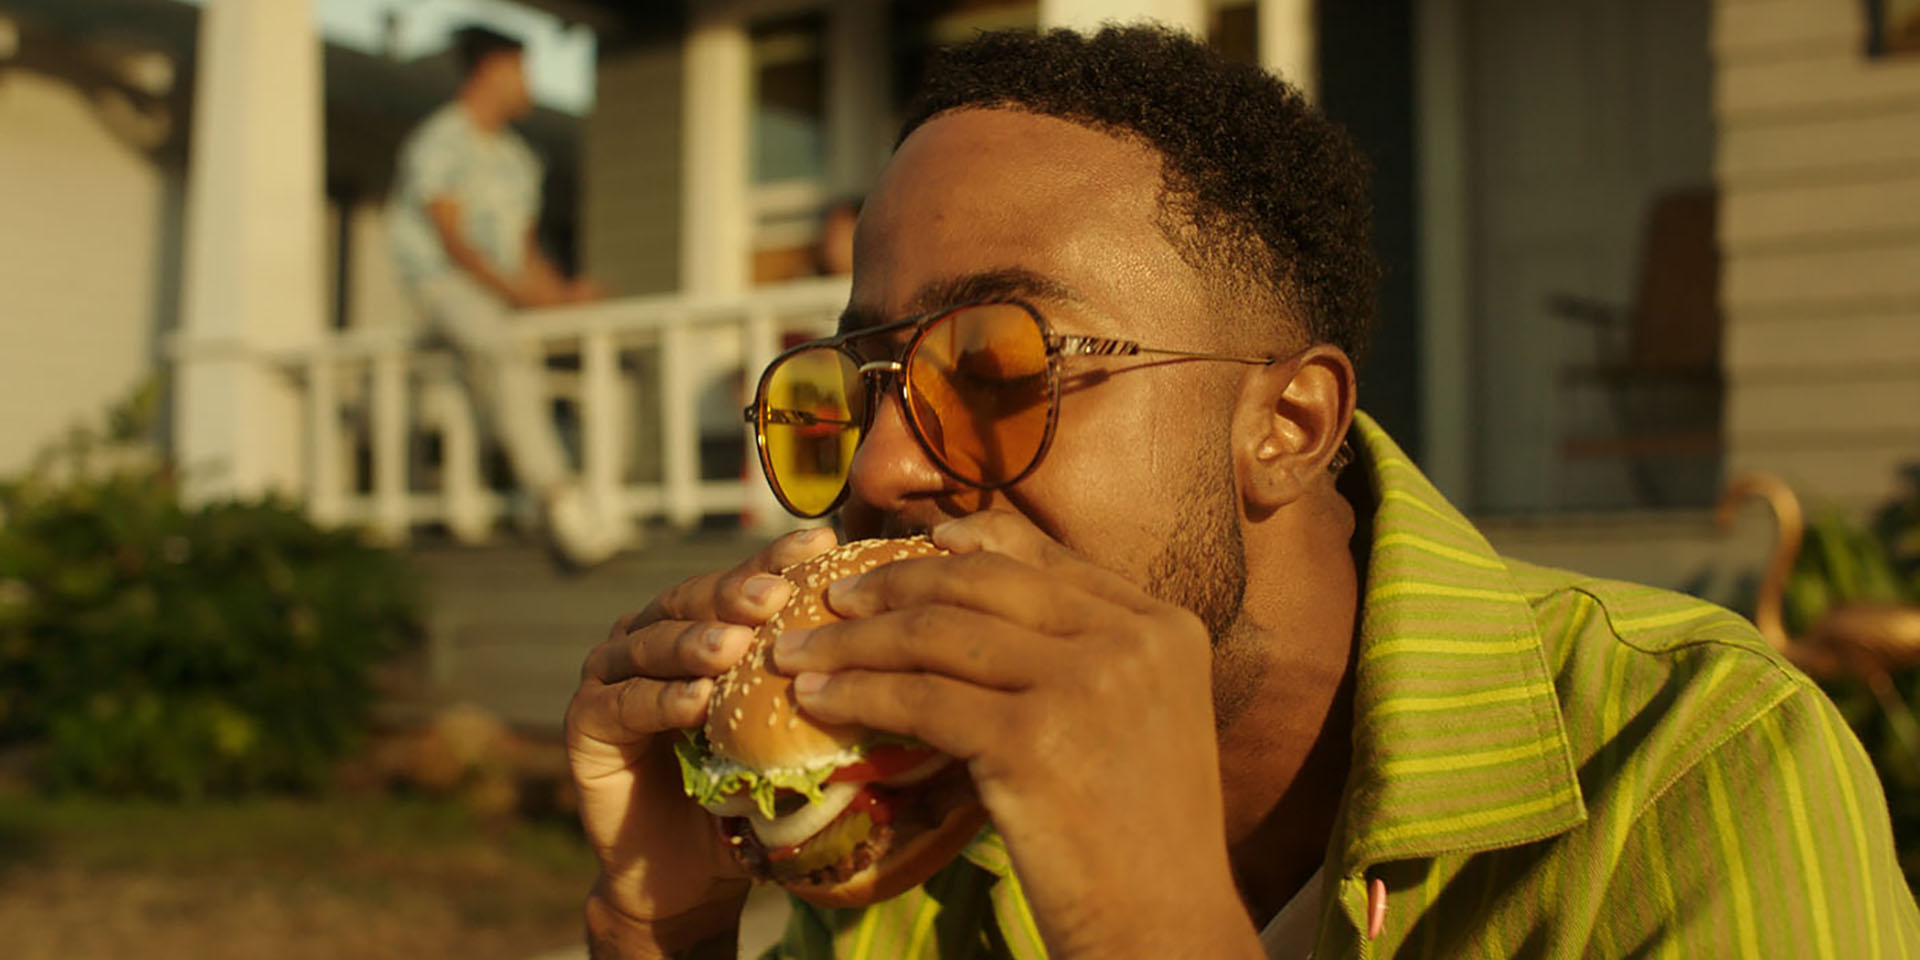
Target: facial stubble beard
x=1203 y=567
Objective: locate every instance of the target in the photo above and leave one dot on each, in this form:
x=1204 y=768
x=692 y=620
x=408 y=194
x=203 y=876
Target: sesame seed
x=792 y=722
x=770 y=719
x=738 y=713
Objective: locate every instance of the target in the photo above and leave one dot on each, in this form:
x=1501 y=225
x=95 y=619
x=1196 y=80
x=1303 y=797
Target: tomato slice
x=881 y=762
x=876 y=805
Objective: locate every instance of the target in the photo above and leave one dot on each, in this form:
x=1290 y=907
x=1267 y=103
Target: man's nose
x=891 y=468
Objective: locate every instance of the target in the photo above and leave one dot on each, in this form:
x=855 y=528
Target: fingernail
x=808 y=684
x=955 y=536
x=717 y=636
x=814 y=536
x=790 y=643
x=760 y=589
x=695 y=689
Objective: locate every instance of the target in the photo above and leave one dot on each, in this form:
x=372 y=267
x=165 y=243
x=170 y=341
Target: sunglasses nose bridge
x=873 y=376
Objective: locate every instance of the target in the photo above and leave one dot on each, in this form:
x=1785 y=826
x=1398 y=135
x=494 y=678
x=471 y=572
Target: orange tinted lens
x=980 y=391
x=810 y=417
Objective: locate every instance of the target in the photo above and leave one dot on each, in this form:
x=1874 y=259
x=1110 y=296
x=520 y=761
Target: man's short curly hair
x=1257 y=184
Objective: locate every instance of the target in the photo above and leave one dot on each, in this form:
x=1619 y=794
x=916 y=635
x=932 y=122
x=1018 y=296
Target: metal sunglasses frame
x=1059 y=348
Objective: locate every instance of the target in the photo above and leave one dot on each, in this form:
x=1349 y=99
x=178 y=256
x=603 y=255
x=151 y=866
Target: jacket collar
x=1458 y=741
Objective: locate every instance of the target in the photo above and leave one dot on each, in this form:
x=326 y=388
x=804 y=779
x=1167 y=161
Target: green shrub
x=151 y=649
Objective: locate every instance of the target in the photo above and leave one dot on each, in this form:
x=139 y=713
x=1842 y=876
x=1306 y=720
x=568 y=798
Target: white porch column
x=857 y=136
x=716 y=238
x=716 y=147
x=1088 y=15
x=253 y=268
x=1287 y=43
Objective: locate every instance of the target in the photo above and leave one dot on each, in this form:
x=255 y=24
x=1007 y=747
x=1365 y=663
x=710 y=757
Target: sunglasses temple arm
x=794 y=418
x=1110 y=347
x=1225 y=358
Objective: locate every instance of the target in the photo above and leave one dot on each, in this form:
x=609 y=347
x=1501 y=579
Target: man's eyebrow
x=856 y=317
x=1005 y=284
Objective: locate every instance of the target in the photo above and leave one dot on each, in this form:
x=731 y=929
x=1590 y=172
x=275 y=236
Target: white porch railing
x=368 y=389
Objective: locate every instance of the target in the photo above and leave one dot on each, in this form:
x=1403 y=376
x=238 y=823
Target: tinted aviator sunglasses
x=979 y=383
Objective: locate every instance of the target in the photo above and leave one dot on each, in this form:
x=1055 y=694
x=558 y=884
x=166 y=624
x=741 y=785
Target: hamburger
x=839 y=815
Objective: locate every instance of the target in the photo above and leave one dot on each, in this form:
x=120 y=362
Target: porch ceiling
x=614 y=18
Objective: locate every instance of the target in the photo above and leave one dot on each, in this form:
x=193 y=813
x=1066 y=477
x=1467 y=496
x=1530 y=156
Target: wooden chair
x=1659 y=358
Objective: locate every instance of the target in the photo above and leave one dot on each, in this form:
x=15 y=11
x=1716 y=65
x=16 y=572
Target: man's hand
x=1084 y=711
x=585 y=290
x=663 y=868
x=534 y=290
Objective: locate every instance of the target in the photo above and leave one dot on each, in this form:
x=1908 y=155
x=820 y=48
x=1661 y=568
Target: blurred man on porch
x=462 y=217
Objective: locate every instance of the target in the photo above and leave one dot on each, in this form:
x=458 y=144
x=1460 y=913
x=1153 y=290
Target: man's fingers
x=646 y=676
x=754 y=591
x=748 y=593
x=795 y=547
x=952 y=716
x=682 y=633
x=624 y=625
x=953 y=641
x=669 y=650
x=635 y=710
x=984 y=581
x=1012 y=534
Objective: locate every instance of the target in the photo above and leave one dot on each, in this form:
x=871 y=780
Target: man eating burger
x=1223 y=672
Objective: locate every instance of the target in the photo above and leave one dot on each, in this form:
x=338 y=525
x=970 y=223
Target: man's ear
x=1290 y=423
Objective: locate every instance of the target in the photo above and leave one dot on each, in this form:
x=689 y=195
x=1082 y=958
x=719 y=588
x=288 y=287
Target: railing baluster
x=684 y=327
x=390 y=520
x=679 y=426
x=445 y=406
x=602 y=437
x=760 y=342
x=326 y=490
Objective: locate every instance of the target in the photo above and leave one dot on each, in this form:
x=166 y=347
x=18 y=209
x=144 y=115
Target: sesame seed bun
x=753 y=719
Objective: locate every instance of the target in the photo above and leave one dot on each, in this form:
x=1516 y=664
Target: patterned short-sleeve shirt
x=494 y=178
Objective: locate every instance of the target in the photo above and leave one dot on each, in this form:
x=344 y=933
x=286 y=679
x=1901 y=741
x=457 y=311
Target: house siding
x=630 y=196
x=88 y=246
x=1820 y=233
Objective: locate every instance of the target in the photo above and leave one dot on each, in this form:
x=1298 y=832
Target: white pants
x=504 y=379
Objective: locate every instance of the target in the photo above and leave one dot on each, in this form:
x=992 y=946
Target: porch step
x=508 y=629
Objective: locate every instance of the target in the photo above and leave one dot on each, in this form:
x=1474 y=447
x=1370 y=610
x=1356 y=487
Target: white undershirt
x=1290 y=934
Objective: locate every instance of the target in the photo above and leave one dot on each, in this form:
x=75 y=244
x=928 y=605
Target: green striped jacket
x=1545 y=765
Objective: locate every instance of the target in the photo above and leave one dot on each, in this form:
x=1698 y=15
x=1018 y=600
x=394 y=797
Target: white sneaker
x=579 y=536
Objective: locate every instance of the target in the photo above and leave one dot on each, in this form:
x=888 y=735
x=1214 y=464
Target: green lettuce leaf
x=708 y=778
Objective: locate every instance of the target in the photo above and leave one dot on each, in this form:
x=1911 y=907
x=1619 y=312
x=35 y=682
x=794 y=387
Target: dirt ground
x=317 y=880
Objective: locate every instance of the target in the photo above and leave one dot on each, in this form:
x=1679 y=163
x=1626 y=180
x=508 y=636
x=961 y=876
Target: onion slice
x=806 y=821
x=736 y=804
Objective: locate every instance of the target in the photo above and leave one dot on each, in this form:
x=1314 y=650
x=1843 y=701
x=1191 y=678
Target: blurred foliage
x=151 y=649
x=1844 y=562
x=1898 y=527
